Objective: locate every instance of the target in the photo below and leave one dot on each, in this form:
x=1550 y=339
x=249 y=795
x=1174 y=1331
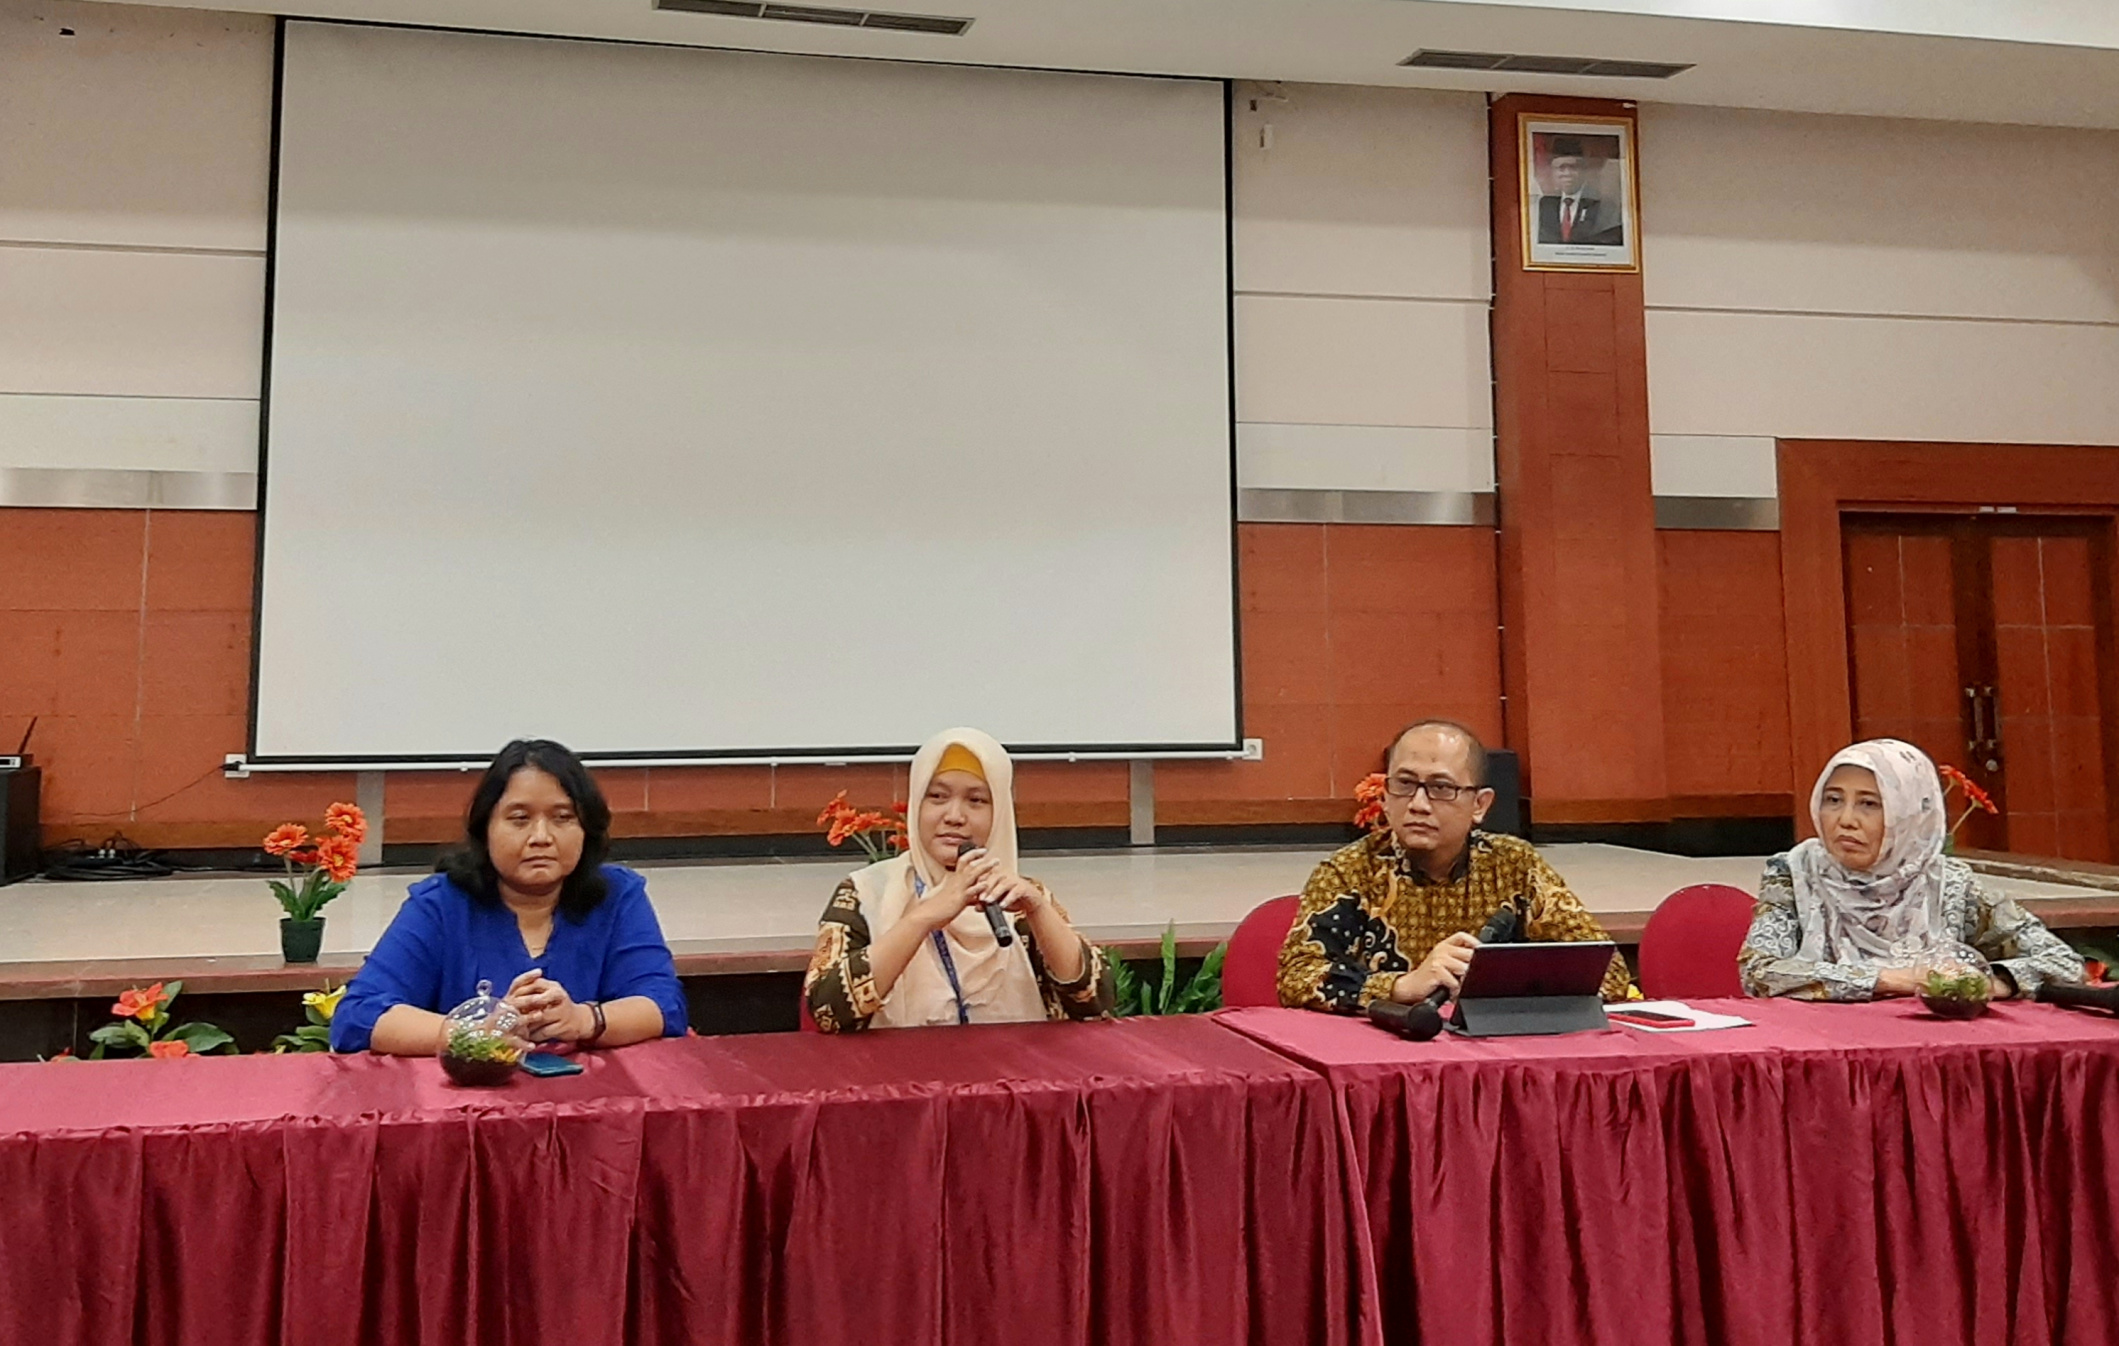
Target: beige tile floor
x=752 y=905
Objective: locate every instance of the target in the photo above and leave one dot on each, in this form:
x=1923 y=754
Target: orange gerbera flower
x=286 y=839
x=833 y=811
x=348 y=821
x=169 y=1049
x=1369 y=794
x=338 y=856
x=139 y=1004
x=1953 y=777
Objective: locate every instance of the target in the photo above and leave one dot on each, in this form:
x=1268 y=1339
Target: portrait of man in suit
x=1573 y=208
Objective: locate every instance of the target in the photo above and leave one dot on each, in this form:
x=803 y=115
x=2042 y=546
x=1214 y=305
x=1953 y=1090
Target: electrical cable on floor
x=115 y=857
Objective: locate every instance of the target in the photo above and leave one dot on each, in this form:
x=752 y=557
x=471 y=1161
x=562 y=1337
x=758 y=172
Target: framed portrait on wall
x=1581 y=202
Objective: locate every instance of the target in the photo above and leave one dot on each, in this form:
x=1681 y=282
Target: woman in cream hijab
x=1852 y=913
x=906 y=943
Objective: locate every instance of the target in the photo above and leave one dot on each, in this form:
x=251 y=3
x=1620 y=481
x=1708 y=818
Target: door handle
x=1993 y=730
x=1972 y=744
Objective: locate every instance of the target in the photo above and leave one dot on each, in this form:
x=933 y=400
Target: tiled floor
x=742 y=906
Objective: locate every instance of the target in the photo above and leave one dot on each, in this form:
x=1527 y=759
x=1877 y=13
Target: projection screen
x=683 y=403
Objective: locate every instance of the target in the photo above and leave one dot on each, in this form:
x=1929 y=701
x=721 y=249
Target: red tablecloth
x=1836 y=1174
x=1149 y=1181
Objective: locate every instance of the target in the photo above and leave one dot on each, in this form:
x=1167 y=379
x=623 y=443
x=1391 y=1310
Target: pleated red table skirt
x=1837 y=1174
x=1144 y=1181
x=1834 y=1175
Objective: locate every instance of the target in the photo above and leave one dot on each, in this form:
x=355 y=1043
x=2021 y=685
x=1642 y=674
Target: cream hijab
x=999 y=984
x=1894 y=909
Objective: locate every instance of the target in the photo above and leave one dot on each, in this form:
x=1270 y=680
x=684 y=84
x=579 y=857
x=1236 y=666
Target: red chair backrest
x=1250 y=973
x=1689 y=949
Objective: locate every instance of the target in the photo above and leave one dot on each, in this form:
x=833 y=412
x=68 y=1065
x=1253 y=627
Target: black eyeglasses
x=1438 y=791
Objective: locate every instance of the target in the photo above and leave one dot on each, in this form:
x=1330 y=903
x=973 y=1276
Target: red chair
x=1250 y=971
x=1688 y=951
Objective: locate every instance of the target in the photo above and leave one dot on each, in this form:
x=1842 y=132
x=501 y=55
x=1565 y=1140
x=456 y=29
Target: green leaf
x=170 y=991
x=1169 y=984
x=285 y=893
x=1126 y=985
x=113 y=1035
x=200 y=1038
x=313 y=1033
x=1203 y=992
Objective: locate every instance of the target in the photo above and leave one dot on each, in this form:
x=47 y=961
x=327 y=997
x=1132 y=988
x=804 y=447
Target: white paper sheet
x=1702 y=1021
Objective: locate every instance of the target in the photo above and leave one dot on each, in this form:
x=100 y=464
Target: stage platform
x=219 y=933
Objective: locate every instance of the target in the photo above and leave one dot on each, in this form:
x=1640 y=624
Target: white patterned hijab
x=1894 y=909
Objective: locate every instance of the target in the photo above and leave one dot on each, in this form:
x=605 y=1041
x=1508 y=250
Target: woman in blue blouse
x=526 y=903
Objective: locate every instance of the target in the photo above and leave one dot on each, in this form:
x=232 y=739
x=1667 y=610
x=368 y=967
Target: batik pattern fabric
x=841 y=989
x=2008 y=937
x=1368 y=914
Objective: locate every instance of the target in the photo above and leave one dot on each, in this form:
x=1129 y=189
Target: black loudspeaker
x=1505 y=775
x=20 y=855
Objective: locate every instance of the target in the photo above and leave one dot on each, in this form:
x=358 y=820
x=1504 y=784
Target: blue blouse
x=443 y=942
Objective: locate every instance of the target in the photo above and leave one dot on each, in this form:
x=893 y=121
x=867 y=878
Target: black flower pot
x=300 y=940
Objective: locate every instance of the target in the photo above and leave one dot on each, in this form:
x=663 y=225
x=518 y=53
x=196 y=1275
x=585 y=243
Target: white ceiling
x=2052 y=62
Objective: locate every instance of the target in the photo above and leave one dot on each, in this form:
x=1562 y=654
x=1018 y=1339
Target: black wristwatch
x=596 y=1008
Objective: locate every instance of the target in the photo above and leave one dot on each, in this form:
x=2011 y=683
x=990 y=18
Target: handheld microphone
x=2078 y=997
x=1003 y=933
x=1422 y=1020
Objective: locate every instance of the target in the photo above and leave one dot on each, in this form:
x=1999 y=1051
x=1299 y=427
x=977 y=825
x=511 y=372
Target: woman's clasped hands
x=549 y=1014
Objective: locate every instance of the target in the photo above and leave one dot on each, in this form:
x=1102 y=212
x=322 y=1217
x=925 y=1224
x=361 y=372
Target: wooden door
x=1980 y=641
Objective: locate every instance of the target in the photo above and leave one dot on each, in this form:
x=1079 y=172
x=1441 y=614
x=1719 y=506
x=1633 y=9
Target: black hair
x=1478 y=749
x=470 y=866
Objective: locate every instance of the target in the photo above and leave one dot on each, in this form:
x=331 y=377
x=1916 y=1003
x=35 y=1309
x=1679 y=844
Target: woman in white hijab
x=906 y=943
x=1852 y=913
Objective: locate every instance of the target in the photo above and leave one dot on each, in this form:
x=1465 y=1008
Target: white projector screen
x=681 y=403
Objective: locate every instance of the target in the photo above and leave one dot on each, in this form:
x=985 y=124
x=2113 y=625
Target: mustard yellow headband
x=957 y=757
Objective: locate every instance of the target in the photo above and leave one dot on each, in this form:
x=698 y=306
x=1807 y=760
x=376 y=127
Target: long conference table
x=1832 y=1175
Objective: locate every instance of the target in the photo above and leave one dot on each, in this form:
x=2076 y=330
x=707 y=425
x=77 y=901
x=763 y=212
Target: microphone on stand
x=2078 y=997
x=1422 y=1019
x=1003 y=933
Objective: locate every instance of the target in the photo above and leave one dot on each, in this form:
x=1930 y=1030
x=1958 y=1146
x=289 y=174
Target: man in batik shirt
x=1391 y=916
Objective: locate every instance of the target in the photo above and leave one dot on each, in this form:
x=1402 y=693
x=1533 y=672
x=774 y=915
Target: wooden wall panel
x=1349 y=631
x=130 y=637
x=1725 y=664
x=1579 y=570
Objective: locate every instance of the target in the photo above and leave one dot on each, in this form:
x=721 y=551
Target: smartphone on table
x=545 y=1064
x=1641 y=1018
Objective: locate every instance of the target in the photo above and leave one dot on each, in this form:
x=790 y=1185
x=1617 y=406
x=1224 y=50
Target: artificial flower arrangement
x=879 y=835
x=314 y=1036
x=330 y=860
x=143 y=1028
x=1957 y=983
x=1369 y=797
x=1976 y=800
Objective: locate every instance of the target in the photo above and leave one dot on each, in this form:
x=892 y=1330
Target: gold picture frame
x=1581 y=193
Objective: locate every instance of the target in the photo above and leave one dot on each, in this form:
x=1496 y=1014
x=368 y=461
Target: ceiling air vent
x=837 y=18
x=1426 y=59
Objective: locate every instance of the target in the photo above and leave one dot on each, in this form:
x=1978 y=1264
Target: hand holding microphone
x=990 y=889
x=1422 y=1019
